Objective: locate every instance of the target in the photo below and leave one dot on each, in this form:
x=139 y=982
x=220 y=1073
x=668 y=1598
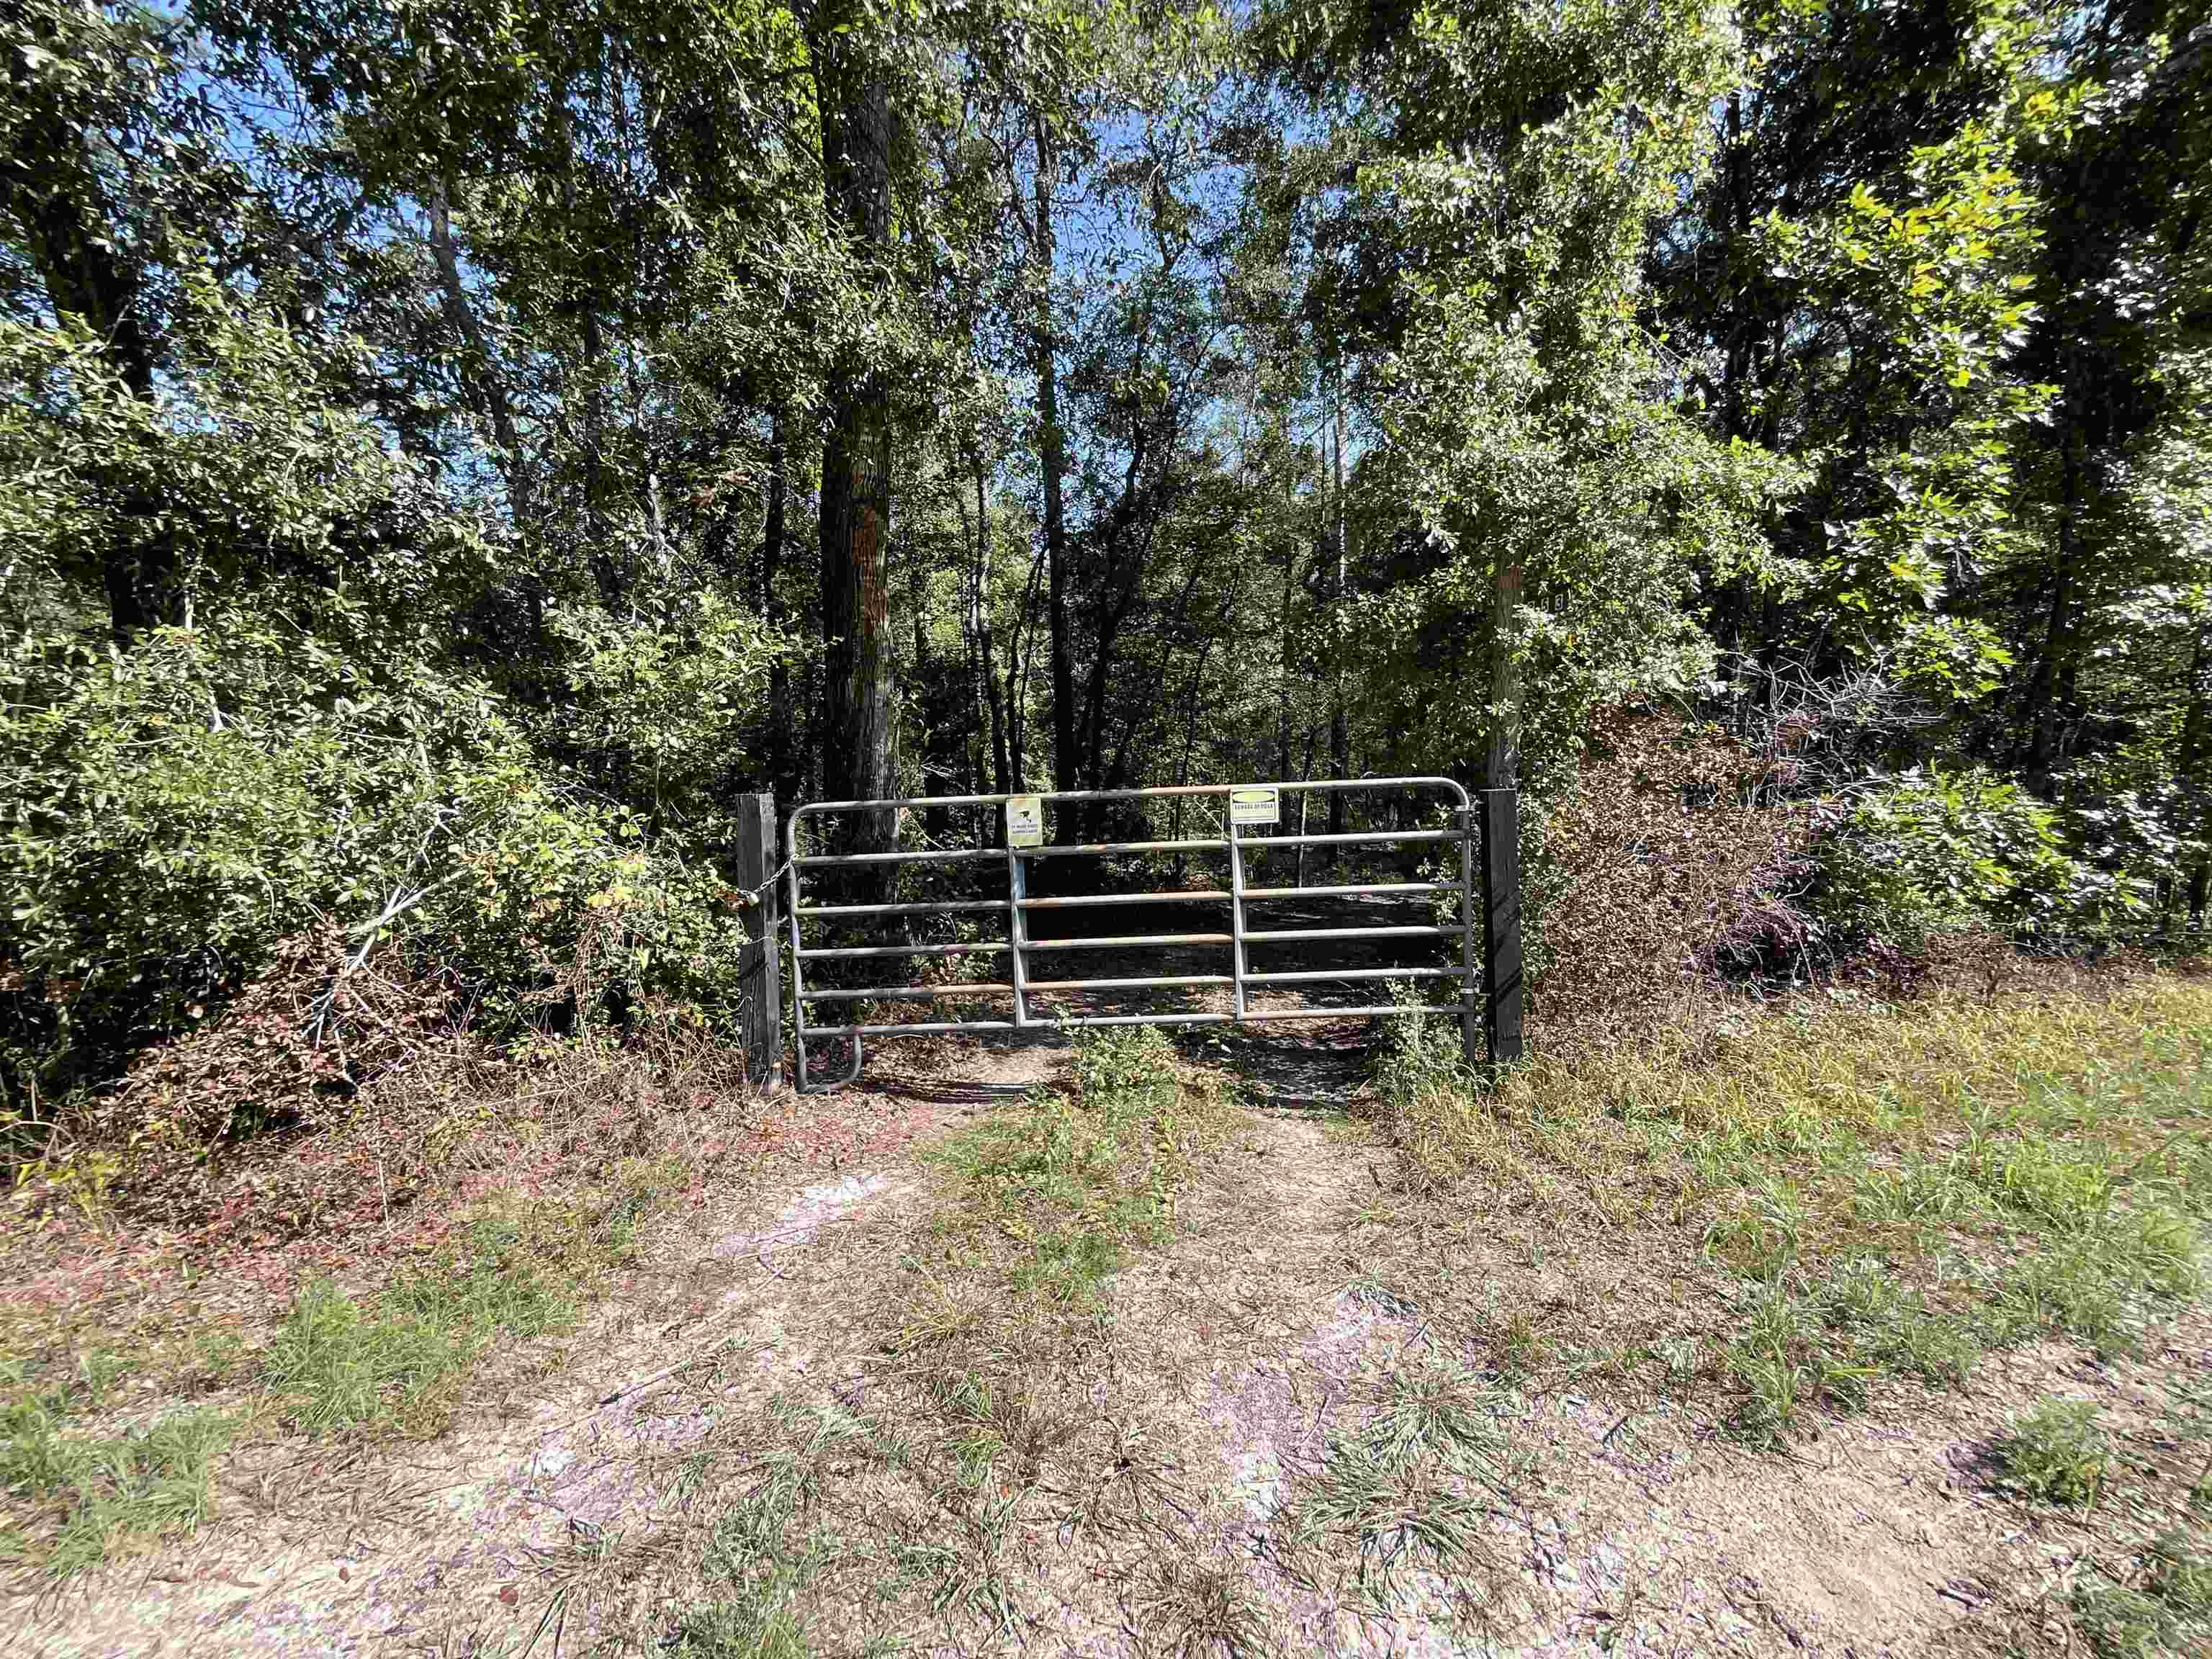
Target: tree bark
x=2194 y=764
x=489 y=384
x=1339 y=727
x=1052 y=462
x=860 y=736
x=986 y=645
x=2042 y=712
x=783 y=713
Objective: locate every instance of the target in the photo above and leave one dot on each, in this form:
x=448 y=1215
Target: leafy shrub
x=173 y=813
x=317 y=750
x=1932 y=853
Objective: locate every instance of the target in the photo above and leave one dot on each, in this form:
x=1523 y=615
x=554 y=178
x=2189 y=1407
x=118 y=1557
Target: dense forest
x=450 y=451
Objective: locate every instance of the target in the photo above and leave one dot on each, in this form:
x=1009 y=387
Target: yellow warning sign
x=1025 y=821
x=1255 y=805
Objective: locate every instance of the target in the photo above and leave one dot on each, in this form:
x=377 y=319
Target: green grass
x=2056 y=1454
x=760 y=1556
x=2164 y=1608
x=1894 y=1190
x=393 y=1362
x=80 y=1500
x=1416 y=1484
x=1075 y=1180
x=909 y=1504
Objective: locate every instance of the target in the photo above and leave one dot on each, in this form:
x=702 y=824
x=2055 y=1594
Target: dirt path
x=1235 y=1374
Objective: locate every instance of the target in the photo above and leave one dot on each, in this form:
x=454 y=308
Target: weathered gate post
x=761 y=968
x=1501 y=924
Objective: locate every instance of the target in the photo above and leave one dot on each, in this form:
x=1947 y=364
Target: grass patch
x=1416 y=1485
x=1064 y=1186
x=760 y=1552
x=1202 y=1607
x=80 y=1499
x=392 y=1363
x=2056 y=1454
x=993 y=1427
x=2166 y=1608
x=1873 y=1190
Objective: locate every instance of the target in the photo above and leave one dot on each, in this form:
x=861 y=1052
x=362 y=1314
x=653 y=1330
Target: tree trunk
x=782 y=712
x=1283 y=641
x=489 y=383
x=986 y=645
x=2042 y=713
x=860 y=734
x=598 y=552
x=1339 y=727
x=1052 y=462
x=80 y=260
x=2194 y=770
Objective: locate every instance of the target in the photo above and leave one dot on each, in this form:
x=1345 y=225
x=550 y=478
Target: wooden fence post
x=760 y=970
x=1502 y=987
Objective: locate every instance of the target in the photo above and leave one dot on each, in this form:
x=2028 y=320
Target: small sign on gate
x=1025 y=820
x=1251 y=806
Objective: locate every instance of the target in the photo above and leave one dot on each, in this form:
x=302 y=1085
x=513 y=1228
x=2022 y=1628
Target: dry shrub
x=289 y=1056
x=337 y=1089
x=1677 y=859
x=314 y=1027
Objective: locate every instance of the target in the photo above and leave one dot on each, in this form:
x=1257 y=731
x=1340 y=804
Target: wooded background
x=451 y=450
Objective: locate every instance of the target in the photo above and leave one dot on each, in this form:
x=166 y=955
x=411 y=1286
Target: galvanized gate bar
x=986 y=948
x=1239 y=966
x=1135 y=984
x=1305 y=976
x=1063 y=849
x=1017 y=945
x=1123 y=941
x=1172 y=896
x=1352 y=841
x=933 y=907
x=1355 y=890
x=1408 y=931
x=941 y=993
x=1349 y=1013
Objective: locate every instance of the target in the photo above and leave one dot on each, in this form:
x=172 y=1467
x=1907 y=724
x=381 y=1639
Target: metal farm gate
x=1248 y=813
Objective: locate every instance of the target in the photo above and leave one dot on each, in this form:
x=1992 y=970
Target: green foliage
x=1517 y=399
x=1074 y=1180
x=174 y=811
x=2056 y=1454
x=341 y=1366
x=1937 y=283
x=79 y=1500
x=1933 y=852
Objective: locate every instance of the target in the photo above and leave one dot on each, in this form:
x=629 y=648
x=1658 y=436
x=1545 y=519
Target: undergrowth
x=2163 y=1607
x=76 y=1497
x=392 y=1363
x=1885 y=1190
x=1418 y=1484
x=1072 y=1182
x=2056 y=1454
